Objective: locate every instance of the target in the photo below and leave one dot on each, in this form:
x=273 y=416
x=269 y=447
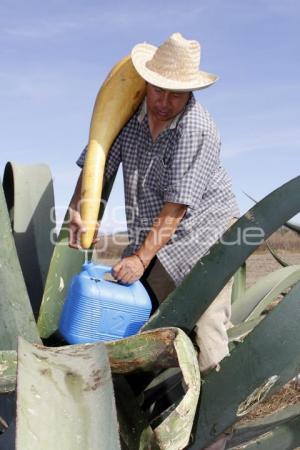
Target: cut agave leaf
x=65 y=398
x=8 y=370
x=174 y=432
x=144 y=351
x=158 y=349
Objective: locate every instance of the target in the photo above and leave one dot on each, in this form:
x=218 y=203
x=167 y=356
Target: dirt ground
x=261 y=263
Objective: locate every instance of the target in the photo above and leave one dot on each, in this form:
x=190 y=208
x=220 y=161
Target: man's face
x=165 y=105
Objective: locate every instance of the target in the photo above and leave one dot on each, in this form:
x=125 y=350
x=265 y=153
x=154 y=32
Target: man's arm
x=75 y=224
x=162 y=230
x=132 y=268
x=111 y=166
x=75 y=221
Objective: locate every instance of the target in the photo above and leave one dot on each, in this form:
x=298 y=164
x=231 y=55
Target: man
x=178 y=197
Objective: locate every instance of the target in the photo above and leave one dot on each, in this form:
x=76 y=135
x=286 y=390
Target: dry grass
x=260 y=264
x=288 y=395
x=110 y=246
x=283 y=239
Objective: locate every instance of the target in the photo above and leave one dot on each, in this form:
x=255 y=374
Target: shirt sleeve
x=113 y=160
x=193 y=162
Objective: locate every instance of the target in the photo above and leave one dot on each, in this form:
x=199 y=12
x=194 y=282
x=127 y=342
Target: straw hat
x=173 y=66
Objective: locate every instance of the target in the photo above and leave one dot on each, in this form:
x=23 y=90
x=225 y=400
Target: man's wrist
x=74 y=206
x=141 y=260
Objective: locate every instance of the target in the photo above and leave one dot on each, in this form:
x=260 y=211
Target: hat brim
x=142 y=53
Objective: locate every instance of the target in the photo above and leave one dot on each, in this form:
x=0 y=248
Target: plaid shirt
x=181 y=166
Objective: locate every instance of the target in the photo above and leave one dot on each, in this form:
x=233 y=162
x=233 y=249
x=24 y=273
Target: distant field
x=262 y=263
x=285 y=242
x=110 y=248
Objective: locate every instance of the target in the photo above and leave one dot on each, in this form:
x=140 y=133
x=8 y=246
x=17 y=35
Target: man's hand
x=75 y=228
x=132 y=268
x=128 y=270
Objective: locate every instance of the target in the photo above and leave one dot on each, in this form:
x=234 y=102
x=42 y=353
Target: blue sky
x=55 y=54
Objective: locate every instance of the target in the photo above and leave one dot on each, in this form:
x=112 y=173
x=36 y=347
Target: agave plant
x=65 y=393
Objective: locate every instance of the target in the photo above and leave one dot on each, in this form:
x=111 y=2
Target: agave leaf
x=174 y=432
x=239 y=283
x=16 y=317
x=261 y=294
x=155 y=350
x=266 y=360
x=291 y=225
x=65 y=263
x=30 y=199
x=162 y=386
x=144 y=351
x=285 y=436
x=271 y=250
x=65 y=398
x=141 y=352
x=8 y=369
x=7 y=421
x=135 y=431
x=238 y=332
x=207 y=278
x=275 y=255
x=254 y=428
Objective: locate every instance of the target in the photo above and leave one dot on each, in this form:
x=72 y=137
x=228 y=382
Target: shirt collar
x=143 y=111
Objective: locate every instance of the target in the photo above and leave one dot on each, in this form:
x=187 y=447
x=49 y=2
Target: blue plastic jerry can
x=96 y=309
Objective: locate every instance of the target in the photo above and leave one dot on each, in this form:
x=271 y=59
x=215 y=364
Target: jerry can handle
x=96 y=271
